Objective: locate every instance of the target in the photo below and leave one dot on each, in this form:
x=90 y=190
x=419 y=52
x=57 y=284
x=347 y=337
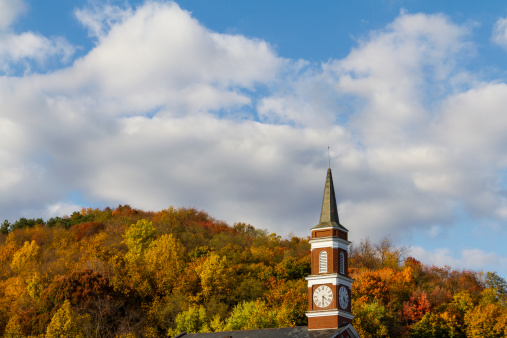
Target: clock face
x=322 y=296
x=343 y=295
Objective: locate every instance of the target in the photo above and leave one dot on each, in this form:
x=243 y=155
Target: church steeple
x=329 y=210
x=329 y=285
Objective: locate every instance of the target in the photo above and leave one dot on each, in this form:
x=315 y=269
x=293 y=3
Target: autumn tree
x=26 y=259
x=165 y=250
x=139 y=236
x=66 y=323
x=191 y=321
x=486 y=321
x=437 y=325
x=372 y=320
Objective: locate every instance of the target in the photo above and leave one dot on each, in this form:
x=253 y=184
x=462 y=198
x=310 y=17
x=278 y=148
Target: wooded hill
x=131 y=273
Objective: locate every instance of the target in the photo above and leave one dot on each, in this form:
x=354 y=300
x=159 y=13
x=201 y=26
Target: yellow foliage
x=66 y=323
x=165 y=251
x=215 y=276
x=139 y=236
x=13 y=328
x=486 y=321
x=6 y=252
x=34 y=286
x=13 y=288
x=127 y=335
x=191 y=321
x=262 y=254
x=150 y=332
x=26 y=258
x=369 y=320
x=62 y=238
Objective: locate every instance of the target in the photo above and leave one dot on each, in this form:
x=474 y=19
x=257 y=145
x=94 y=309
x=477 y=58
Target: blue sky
x=229 y=106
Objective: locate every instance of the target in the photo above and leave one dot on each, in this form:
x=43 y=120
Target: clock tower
x=329 y=285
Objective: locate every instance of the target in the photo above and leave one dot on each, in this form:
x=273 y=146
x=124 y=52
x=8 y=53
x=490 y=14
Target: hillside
x=131 y=273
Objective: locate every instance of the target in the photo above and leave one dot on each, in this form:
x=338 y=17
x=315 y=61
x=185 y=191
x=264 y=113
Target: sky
x=230 y=107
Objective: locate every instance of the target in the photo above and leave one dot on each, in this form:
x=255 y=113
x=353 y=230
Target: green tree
x=191 y=321
x=434 y=325
x=5 y=227
x=24 y=223
x=498 y=287
x=373 y=320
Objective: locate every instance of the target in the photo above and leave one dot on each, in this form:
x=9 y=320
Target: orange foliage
x=86 y=229
x=214 y=228
x=124 y=210
x=416 y=307
x=216 y=267
x=370 y=287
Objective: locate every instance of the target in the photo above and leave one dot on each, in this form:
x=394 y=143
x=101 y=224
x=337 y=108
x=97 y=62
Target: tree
x=24 y=223
x=81 y=287
x=497 y=285
x=389 y=255
x=66 y=323
x=5 y=227
x=165 y=251
x=434 y=325
x=139 y=236
x=372 y=320
x=483 y=321
x=369 y=286
x=251 y=315
x=290 y=300
x=191 y=321
x=416 y=307
x=13 y=328
x=26 y=258
x=363 y=256
x=87 y=229
x=215 y=276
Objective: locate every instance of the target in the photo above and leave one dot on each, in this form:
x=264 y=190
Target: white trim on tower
x=329 y=242
x=326 y=313
x=333 y=279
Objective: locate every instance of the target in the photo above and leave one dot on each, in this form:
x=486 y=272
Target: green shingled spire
x=329 y=211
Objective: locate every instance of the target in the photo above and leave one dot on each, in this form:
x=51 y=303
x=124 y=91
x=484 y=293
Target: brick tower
x=329 y=285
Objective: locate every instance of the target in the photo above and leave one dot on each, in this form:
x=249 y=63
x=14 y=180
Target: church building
x=329 y=286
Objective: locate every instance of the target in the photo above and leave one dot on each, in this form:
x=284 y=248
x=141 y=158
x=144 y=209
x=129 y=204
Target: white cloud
x=100 y=17
x=438 y=257
x=162 y=111
x=24 y=48
x=9 y=11
x=396 y=71
x=475 y=259
x=61 y=209
x=28 y=46
x=159 y=56
x=500 y=32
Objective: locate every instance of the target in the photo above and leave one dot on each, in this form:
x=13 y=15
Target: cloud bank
x=163 y=111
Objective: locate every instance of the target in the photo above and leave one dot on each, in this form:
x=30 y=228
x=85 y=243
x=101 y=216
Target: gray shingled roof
x=292 y=332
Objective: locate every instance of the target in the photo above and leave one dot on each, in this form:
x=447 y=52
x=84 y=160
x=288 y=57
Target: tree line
x=125 y=272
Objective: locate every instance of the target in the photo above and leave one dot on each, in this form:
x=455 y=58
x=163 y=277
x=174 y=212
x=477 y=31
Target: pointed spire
x=329 y=211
